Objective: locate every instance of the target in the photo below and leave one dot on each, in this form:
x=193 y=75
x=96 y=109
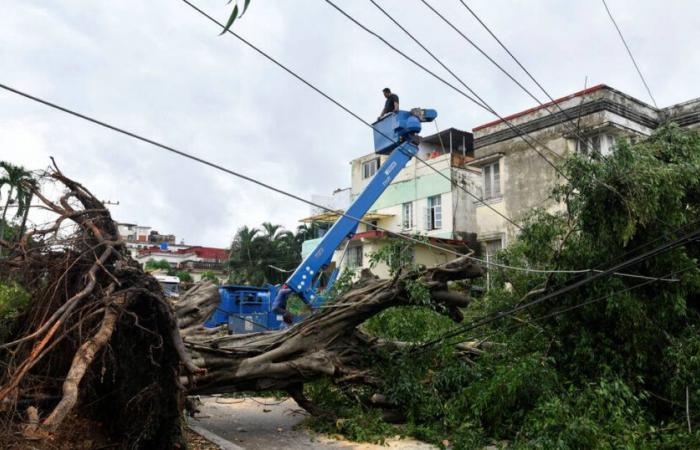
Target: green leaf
x=231 y=19
x=245 y=7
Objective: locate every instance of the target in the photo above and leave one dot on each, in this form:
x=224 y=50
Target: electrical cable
x=629 y=52
x=576 y=306
x=554 y=102
x=344 y=108
x=524 y=136
x=268 y=186
x=689 y=237
x=483 y=103
x=221 y=168
x=218 y=167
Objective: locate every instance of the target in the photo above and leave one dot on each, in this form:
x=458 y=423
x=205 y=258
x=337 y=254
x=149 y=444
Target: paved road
x=268 y=424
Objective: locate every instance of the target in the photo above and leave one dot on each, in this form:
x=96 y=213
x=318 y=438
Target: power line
x=328 y=97
x=629 y=52
x=483 y=103
x=565 y=310
x=253 y=180
x=524 y=136
x=486 y=55
x=347 y=110
x=218 y=167
x=576 y=129
x=689 y=237
x=250 y=179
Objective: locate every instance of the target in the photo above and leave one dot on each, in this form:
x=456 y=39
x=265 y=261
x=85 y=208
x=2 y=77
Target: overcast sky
x=158 y=68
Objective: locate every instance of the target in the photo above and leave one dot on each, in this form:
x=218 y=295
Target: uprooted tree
x=98 y=341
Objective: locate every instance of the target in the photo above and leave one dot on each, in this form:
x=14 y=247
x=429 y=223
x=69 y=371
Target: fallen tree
x=99 y=342
x=328 y=343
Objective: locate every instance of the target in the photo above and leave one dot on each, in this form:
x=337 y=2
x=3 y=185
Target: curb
x=224 y=444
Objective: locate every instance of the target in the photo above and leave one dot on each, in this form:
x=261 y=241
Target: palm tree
x=243 y=248
x=19 y=181
x=271 y=231
x=244 y=240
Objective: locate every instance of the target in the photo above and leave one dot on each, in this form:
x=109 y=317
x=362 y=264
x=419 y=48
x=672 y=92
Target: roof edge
x=580 y=93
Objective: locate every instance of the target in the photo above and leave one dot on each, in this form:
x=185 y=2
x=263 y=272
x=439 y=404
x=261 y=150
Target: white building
x=421 y=200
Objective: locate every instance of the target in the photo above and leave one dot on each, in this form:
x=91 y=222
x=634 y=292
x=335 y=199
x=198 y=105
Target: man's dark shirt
x=389 y=104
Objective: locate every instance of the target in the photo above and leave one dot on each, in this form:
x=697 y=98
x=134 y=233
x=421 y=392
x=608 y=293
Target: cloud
x=161 y=70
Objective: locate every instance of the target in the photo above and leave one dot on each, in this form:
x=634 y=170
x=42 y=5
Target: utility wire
x=221 y=168
x=576 y=129
x=524 y=136
x=483 y=104
x=486 y=55
x=248 y=178
x=253 y=180
x=629 y=52
x=328 y=97
x=562 y=311
x=347 y=110
x=689 y=237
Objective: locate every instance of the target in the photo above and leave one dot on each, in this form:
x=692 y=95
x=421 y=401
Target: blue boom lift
x=248 y=309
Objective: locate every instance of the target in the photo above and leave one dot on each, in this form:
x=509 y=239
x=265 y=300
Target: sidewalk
x=257 y=423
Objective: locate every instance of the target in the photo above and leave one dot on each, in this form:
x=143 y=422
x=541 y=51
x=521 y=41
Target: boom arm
x=395 y=134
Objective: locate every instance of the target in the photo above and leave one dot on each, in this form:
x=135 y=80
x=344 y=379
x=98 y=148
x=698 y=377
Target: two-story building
x=496 y=165
x=516 y=179
x=421 y=201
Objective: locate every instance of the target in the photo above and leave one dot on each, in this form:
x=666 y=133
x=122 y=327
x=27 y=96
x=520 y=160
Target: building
x=192 y=259
x=515 y=179
x=145 y=244
x=139 y=237
x=421 y=200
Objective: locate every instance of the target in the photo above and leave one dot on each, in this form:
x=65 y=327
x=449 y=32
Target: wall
x=526 y=179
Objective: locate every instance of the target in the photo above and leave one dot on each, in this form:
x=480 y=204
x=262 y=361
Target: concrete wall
x=427 y=256
x=526 y=178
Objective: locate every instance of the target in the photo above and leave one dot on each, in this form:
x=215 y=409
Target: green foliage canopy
x=611 y=374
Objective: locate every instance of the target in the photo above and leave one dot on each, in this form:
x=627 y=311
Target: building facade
x=515 y=179
x=421 y=201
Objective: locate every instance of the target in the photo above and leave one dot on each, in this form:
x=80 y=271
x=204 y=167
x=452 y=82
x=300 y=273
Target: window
x=402 y=256
x=597 y=144
x=492 y=180
x=372 y=225
x=492 y=246
x=355 y=256
x=407 y=216
x=434 y=213
x=369 y=168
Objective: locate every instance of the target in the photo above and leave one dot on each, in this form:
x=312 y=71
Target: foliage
x=396 y=254
x=236 y=13
x=211 y=276
x=184 y=277
x=18 y=182
x=613 y=373
x=162 y=264
x=257 y=255
x=13 y=300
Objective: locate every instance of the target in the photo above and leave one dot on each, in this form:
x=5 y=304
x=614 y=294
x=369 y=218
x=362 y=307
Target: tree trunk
x=24 y=217
x=328 y=343
x=101 y=343
x=4 y=214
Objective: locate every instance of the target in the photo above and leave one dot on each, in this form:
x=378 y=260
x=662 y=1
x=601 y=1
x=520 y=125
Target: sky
x=159 y=69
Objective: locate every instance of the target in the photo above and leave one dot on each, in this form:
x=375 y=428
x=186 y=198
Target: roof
x=544 y=105
x=442 y=138
x=433 y=240
x=333 y=216
x=201 y=252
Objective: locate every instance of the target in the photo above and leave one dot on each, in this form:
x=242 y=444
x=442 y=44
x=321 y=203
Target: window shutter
x=496 y=188
x=487 y=181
